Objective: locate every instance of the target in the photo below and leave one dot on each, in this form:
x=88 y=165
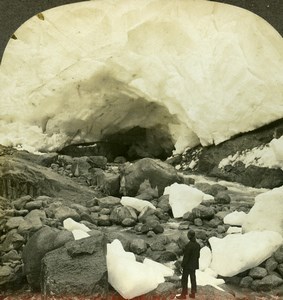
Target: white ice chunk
x=236 y=253
x=267 y=212
x=233 y=229
x=205 y=258
x=183 y=198
x=235 y=218
x=71 y=225
x=136 y=203
x=158 y=267
x=129 y=277
x=79 y=234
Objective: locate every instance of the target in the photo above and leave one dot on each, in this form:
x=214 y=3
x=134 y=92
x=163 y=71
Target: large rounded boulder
x=156 y=172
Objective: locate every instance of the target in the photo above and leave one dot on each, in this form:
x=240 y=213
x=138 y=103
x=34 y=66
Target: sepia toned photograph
x=141 y=150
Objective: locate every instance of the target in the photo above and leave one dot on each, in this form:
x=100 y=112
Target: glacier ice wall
x=194 y=70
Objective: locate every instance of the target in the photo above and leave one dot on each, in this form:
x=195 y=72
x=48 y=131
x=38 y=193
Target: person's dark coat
x=191 y=256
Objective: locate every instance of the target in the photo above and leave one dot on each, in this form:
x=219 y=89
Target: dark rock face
x=158 y=173
x=252 y=175
x=21 y=177
x=78 y=268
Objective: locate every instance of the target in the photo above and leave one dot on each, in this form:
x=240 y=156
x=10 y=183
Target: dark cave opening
x=133 y=144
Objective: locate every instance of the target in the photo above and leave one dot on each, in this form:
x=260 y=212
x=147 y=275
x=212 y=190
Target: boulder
x=98 y=161
x=78 y=268
x=138 y=246
x=32 y=222
x=120 y=213
x=64 y=212
x=145 y=213
x=203 y=212
x=163 y=203
x=41 y=242
x=158 y=174
x=222 y=197
x=109 y=183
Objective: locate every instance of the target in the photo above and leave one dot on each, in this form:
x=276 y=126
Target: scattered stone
x=109 y=183
x=104 y=220
x=80 y=209
x=258 y=273
x=222 y=198
x=108 y=202
x=271 y=264
x=278 y=255
x=158 y=229
x=145 y=213
x=12 y=241
x=120 y=213
x=21 y=202
x=163 y=203
x=97 y=162
x=198 y=221
x=246 y=282
x=267 y=283
x=12 y=255
x=280 y=269
x=138 y=246
x=221 y=229
x=203 y=212
x=14 y=222
x=157 y=246
x=64 y=212
x=32 y=222
x=5 y=274
x=37 y=204
x=128 y=222
x=214 y=223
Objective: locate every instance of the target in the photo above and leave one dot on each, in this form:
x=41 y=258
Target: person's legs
x=193 y=283
x=184 y=283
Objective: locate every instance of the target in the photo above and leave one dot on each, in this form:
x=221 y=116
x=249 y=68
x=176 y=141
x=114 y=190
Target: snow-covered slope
x=192 y=70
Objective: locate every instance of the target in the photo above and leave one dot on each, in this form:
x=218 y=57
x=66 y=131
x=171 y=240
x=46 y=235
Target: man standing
x=189 y=264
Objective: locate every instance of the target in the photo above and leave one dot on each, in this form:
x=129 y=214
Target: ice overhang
x=178 y=73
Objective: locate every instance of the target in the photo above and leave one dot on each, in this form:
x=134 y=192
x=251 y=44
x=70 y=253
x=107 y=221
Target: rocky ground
x=40 y=192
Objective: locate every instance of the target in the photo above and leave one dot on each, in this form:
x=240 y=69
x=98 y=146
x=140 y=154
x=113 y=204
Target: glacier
x=188 y=72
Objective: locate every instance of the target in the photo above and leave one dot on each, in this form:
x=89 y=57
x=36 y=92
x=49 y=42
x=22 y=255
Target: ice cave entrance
x=139 y=130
